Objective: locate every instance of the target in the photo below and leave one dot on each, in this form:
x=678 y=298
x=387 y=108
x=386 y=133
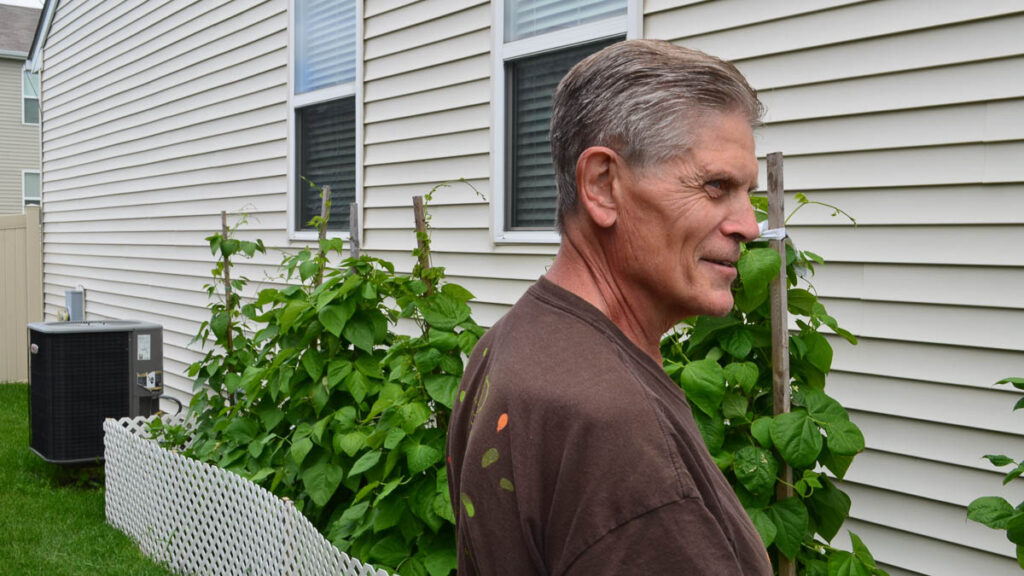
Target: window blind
x=525 y=18
x=30 y=187
x=532 y=81
x=326 y=156
x=325 y=43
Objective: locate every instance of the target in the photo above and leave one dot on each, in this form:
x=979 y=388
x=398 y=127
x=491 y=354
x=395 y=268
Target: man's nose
x=742 y=223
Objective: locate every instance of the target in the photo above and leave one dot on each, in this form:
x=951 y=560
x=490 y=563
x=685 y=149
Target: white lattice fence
x=200 y=519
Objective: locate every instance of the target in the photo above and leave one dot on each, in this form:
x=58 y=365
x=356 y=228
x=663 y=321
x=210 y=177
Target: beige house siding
x=19 y=142
x=157 y=116
x=907 y=114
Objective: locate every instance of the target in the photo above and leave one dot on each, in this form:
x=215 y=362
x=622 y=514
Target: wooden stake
x=325 y=197
x=227 y=280
x=780 y=328
x=353 y=230
x=421 y=233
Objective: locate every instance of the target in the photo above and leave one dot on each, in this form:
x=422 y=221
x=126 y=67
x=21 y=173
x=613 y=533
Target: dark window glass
x=326 y=156
x=530 y=186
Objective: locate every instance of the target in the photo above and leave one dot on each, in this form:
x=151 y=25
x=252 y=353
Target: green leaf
x=389 y=551
x=441 y=562
x=790 y=517
x=737 y=342
x=350 y=443
x=291 y=313
x=419 y=457
x=830 y=507
x=992 y=511
x=394 y=436
x=337 y=370
x=357 y=385
x=761 y=430
x=359 y=331
x=354 y=513
x=712 y=429
x=764 y=526
x=307 y=269
x=844 y=438
x=321 y=481
x=800 y=301
x=313 y=362
x=300 y=448
x=1013 y=474
x=842 y=563
x=838 y=464
x=242 y=430
x=824 y=408
x=704 y=384
x=427 y=360
x=819 y=351
x=999 y=459
x=219 y=324
x=444 y=311
x=797 y=438
x=757 y=267
x=443 y=340
x=734 y=406
x=364 y=463
x=756 y=469
x=335 y=316
x=441 y=388
x=1017 y=382
x=387 y=513
x=743 y=374
x=457 y=292
x=860 y=550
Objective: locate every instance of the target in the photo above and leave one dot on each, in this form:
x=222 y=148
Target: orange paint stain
x=502 y=421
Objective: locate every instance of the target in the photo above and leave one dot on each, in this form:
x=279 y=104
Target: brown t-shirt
x=571 y=452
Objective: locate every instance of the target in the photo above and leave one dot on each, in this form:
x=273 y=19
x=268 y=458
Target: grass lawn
x=51 y=519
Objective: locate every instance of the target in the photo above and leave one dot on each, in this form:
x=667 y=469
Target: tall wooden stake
x=780 y=327
x=353 y=230
x=227 y=279
x=419 y=212
x=325 y=203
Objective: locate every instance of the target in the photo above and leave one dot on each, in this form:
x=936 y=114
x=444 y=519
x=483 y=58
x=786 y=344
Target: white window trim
x=324 y=94
x=23 y=198
x=632 y=24
x=39 y=102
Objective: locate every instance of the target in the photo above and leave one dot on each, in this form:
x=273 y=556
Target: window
x=29 y=97
x=30 y=188
x=324 y=110
x=540 y=41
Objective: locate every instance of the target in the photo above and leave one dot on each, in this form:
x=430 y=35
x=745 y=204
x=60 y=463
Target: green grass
x=51 y=518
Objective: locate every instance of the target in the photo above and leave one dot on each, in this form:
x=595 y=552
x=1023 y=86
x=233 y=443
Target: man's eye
x=715 y=187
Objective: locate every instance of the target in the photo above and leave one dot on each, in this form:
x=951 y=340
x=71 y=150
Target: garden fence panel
x=200 y=519
x=21 y=290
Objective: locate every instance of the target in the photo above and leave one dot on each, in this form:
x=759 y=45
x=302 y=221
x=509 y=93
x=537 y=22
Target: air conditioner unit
x=81 y=373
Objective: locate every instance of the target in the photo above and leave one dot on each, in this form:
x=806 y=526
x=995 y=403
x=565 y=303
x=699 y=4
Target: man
x=571 y=452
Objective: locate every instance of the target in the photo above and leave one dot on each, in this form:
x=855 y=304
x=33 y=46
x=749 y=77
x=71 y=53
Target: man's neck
x=582 y=269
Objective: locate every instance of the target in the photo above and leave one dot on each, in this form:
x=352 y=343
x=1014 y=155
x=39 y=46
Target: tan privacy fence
x=21 y=290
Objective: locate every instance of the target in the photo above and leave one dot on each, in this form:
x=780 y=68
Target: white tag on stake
x=770 y=233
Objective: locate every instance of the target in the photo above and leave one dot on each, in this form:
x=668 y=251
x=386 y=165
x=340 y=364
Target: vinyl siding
x=910 y=118
x=19 y=143
x=159 y=115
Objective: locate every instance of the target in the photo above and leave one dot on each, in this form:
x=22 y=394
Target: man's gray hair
x=643 y=99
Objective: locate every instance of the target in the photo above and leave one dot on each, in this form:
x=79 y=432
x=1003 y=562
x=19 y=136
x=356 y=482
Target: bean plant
x=724 y=364
x=319 y=399
x=994 y=511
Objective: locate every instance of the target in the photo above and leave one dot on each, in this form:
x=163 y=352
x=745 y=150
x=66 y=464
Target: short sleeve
x=679 y=538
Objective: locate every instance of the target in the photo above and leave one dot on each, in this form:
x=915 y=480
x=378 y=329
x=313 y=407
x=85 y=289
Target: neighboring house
x=19 y=111
x=908 y=114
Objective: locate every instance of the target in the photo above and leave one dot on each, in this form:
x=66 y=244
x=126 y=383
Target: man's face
x=680 y=223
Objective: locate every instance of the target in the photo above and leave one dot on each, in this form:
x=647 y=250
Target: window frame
x=630 y=25
x=39 y=109
x=353 y=89
x=38 y=201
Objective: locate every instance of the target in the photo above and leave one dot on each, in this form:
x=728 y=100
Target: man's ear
x=597 y=173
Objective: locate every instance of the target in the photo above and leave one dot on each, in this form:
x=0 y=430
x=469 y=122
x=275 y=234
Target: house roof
x=17 y=29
